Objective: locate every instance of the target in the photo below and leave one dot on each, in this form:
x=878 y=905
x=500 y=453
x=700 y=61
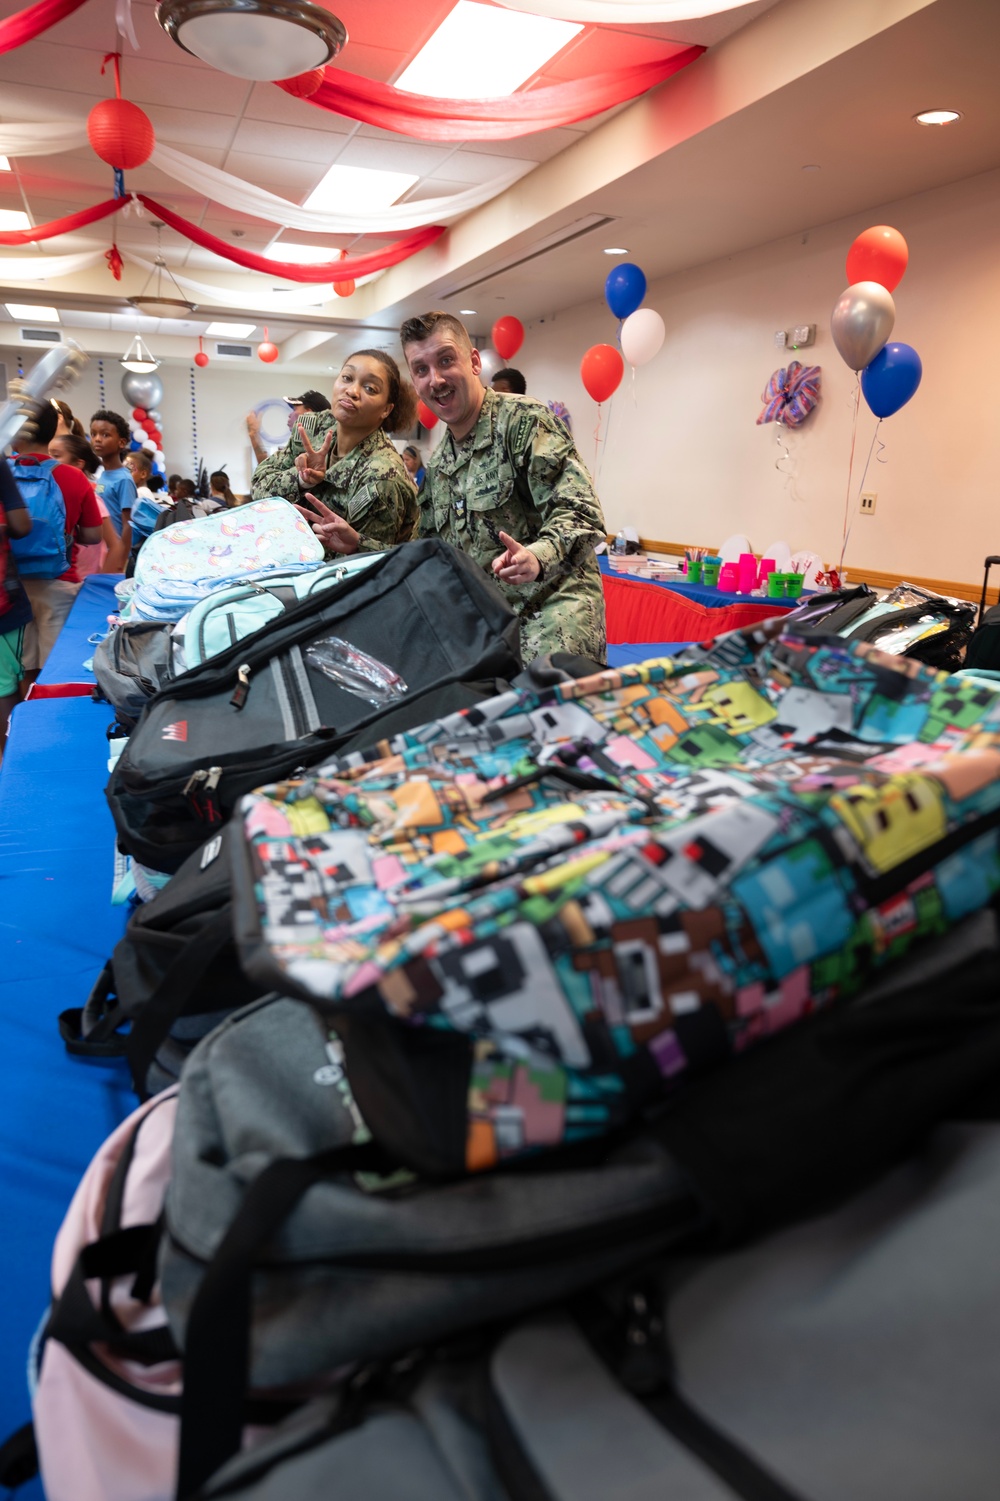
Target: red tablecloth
x=641 y=611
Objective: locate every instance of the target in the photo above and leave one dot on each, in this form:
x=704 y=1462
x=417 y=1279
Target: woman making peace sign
x=345 y=457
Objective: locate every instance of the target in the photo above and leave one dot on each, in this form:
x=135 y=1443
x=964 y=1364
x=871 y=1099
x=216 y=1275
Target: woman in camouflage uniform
x=342 y=461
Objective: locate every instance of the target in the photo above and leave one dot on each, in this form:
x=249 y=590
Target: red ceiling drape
x=62 y=226
x=351 y=267
x=432 y=119
x=25 y=24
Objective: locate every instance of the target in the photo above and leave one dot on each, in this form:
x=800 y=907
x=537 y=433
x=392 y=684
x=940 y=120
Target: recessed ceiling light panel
x=354 y=189
x=259 y=39
x=938 y=116
x=616 y=250
x=302 y=255
x=468 y=312
x=232 y=330
x=4 y=164
x=483 y=52
x=23 y=310
x=13 y=218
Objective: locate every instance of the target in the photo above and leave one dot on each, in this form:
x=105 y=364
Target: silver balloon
x=491 y=363
x=861 y=322
x=142 y=390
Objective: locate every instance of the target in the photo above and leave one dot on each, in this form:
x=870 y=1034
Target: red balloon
x=120 y=133
x=304 y=85
x=601 y=370
x=267 y=351
x=201 y=359
x=426 y=416
x=508 y=336
x=879 y=254
x=138 y=414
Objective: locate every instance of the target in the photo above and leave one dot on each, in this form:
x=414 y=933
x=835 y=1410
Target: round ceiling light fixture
x=938 y=116
x=263 y=40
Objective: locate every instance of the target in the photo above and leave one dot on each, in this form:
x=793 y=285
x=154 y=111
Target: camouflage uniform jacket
x=369 y=487
x=519 y=471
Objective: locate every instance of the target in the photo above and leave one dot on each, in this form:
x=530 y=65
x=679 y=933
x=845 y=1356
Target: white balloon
x=491 y=363
x=155 y=415
x=158 y=456
x=642 y=336
x=139 y=434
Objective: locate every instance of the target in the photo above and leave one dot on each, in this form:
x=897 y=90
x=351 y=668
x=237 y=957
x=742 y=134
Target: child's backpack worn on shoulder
x=42 y=554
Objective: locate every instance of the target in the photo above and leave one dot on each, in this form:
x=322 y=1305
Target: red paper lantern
x=304 y=85
x=601 y=370
x=120 y=133
x=878 y=254
x=267 y=351
x=425 y=416
x=508 y=336
x=201 y=358
x=344 y=288
x=138 y=414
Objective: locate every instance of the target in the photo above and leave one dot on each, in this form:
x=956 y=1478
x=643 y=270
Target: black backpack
x=255 y=713
x=131 y=664
x=173 y=976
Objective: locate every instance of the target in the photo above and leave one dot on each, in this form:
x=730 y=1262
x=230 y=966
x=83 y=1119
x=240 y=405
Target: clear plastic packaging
x=356 y=671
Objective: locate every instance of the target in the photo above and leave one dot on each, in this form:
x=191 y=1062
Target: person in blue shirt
x=109 y=438
x=414 y=464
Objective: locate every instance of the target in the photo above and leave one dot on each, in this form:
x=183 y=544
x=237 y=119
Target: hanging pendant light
x=260 y=39
x=154 y=303
x=138 y=358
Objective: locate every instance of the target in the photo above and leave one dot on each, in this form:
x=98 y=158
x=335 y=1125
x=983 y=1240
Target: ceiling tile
x=536 y=148
x=270 y=103
x=394 y=156
x=263 y=138
x=280 y=175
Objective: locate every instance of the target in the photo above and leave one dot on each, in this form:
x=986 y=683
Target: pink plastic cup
x=729 y=577
x=747 y=573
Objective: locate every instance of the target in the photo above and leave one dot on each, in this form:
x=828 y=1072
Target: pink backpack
x=107 y=1403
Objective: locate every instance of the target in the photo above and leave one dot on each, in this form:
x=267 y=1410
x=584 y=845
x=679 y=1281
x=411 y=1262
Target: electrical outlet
x=867 y=503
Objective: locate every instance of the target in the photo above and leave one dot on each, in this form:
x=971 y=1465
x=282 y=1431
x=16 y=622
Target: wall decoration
x=266 y=351
x=790 y=395
x=201 y=358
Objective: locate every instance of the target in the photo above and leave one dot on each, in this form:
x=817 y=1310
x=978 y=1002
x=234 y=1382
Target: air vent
x=235 y=351
x=41 y=335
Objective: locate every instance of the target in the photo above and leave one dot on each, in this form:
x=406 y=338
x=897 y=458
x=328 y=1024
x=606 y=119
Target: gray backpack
x=851 y=1356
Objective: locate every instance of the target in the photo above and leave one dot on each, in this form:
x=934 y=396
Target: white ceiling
x=735 y=182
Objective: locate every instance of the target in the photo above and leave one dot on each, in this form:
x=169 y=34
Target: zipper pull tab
x=211 y=809
x=643 y=1366
x=192 y=784
x=239 y=696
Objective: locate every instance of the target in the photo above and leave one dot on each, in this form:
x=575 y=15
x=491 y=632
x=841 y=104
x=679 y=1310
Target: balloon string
x=850 y=472
x=864 y=476
x=607 y=435
x=597 y=439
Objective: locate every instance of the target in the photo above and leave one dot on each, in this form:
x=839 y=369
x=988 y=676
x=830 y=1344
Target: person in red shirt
x=52 y=598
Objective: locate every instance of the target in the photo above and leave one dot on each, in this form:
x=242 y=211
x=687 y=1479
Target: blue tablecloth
x=57 y=928
x=624 y=656
x=87 y=624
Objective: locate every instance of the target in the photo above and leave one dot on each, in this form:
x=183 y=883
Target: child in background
x=110 y=436
x=219 y=490
x=148 y=506
x=15 y=606
x=76 y=452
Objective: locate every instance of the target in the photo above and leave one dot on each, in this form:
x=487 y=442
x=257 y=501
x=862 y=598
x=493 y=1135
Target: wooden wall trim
x=856 y=574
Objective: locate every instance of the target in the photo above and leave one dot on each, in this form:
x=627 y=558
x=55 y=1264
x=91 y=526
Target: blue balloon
x=891 y=378
x=624 y=289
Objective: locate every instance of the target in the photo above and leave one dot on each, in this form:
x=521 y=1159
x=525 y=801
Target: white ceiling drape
x=47 y=267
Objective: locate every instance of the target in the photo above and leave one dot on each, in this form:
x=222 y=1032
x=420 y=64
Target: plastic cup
x=747 y=573
x=710 y=572
x=793 y=585
x=767 y=567
x=729 y=577
x=694 y=571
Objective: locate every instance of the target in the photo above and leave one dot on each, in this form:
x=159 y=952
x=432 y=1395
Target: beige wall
x=684 y=459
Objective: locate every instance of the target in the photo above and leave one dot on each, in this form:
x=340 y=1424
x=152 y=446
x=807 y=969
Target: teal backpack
x=43 y=553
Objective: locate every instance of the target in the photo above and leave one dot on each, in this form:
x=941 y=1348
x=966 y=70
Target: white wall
x=684 y=460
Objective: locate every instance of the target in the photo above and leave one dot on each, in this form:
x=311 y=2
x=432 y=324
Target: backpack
x=289 y=1251
x=590 y=892
x=131 y=664
x=422 y=613
x=177 y=566
x=43 y=553
x=173 y=976
x=228 y=615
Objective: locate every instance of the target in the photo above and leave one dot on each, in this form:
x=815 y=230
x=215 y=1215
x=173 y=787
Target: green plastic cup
x=710 y=572
x=694 y=571
x=776 y=586
x=793 y=585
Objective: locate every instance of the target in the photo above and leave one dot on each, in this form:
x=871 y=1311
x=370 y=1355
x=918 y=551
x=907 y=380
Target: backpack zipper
x=239 y=693
x=200 y=789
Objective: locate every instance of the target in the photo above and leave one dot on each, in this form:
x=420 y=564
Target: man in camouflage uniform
x=508 y=487
x=369 y=487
